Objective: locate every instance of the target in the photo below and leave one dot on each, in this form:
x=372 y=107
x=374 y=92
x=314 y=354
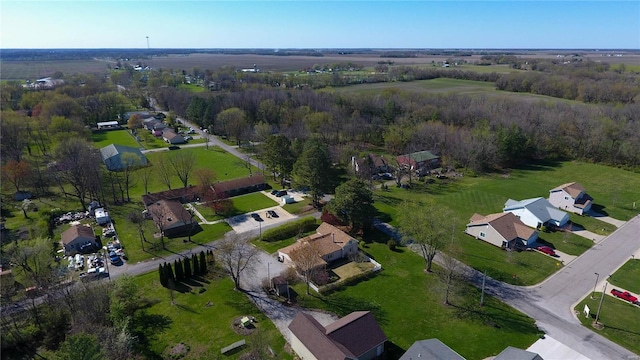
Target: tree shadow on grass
x=146 y=328
x=493 y=316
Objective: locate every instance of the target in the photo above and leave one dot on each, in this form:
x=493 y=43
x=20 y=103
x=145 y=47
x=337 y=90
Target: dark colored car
x=281 y=193
x=624 y=295
x=274 y=191
x=114 y=258
x=256 y=217
x=547 y=250
x=272 y=213
x=174 y=147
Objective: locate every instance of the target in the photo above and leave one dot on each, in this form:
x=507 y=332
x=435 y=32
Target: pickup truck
x=624 y=295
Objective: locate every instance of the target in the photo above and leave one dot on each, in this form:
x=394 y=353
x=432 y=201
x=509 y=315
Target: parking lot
x=245 y=222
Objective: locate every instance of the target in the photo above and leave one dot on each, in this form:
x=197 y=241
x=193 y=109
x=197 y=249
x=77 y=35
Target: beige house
x=356 y=336
x=571 y=197
x=79 y=239
x=330 y=242
x=504 y=230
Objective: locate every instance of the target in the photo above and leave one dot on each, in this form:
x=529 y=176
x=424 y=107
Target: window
x=566 y=198
x=482 y=234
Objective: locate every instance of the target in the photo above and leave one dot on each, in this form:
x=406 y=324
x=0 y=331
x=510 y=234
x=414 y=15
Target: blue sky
x=320 y=24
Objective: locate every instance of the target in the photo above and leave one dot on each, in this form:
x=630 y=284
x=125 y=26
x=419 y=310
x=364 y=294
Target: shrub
x=392 y=244
x=289 y=230
x=291 y=275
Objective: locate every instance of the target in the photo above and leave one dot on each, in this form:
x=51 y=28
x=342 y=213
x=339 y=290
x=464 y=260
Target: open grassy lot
x=445 y=86
x=23 y=70
x=149 y=141
x=192 y=87
x=119 y=137
x=628 y=276
x=225 y=166
x=408 y=305
x=487 y=194
x=299 y=207
x=205 y=329
x=621 y=320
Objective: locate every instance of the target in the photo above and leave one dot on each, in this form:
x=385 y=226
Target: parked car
x=547 y=250
x=174 y=147
x=256 y=217
x=281 y=193
x=274 y=191
x=272 y=214
x=114 y=258
x=624 y=295
x=386 y=176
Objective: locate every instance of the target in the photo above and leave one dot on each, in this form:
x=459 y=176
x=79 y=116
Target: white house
x=536 y=212
x=504 y=230
x=571 y=197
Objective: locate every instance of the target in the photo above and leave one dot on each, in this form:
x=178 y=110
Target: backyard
x=408 y=305
x=241 y=205
x=118 y=137
x=203 y=317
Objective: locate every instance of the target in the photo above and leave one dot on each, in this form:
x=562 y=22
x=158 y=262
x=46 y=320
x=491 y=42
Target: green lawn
x=192 y=87
x=149 y=141
x=120 y=137
x=299 y=207
x=251 y=202
x=205 y=329
x=566 y=242
x=408 y=305
x=128 y=235
x=273 y=246
x=225 y=166
x=487 y=194
x=621 y=320
x=627 y=276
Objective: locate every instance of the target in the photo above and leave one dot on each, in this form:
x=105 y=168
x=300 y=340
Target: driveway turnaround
x=245 y=222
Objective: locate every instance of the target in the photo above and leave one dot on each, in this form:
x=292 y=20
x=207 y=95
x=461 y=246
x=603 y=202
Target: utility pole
x=594 y=285
x=484 y=278
x=604 y=291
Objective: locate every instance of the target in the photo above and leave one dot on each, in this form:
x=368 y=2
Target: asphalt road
x=551 y=302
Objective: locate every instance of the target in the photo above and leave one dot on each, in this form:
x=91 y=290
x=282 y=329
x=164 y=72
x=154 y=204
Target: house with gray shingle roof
x=356 y=336
x=536 y=212
x=112 y=157
x=432 y=349
x=571 y=197
x=504 y=230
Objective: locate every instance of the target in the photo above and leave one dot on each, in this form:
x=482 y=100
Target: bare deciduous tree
x=237 y=256
x=164 y=171
x=307 y=260
x=182 y=164
x=158 y=214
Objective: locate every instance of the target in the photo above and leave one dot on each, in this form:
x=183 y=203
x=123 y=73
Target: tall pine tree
x=187 y=268
x=169 y=274
x=178 y=268
x=194 y=264
x=203 y=264
x=161 y=274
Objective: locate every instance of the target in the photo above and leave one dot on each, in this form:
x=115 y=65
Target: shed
x=280 y=285
x=287 y=199
x=102 y=216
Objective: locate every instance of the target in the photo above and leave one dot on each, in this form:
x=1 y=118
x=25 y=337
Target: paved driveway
x=607 y=219
x=243 y=223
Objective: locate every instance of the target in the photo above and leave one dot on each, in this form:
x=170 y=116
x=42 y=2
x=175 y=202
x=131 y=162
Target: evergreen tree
x=161 y=274
x=178 y=270
x=195 y=265
x=169 y=274
x=203 y=263
x=186 y=264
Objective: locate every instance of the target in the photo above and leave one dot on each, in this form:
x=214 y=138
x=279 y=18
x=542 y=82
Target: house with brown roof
x=504 y=230
x=172 y=218
x=240 y=186
x=571 y=197
x=371 y=164
x=356 y=336
x=330 y=242
x=183 y=195
x=79 y=239
x=171 y=137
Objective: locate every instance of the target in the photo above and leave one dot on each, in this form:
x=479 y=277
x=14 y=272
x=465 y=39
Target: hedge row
x=290 y=229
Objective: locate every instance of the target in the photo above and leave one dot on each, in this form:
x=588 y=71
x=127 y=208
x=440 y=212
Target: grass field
x=484 y=195
x=627 y=276
x=192 y=87
x=119 y=137
x=408 y=305
x=444 y=86
x=205 y=329
x=241 y=205
x=621 y=320
x=23 y=70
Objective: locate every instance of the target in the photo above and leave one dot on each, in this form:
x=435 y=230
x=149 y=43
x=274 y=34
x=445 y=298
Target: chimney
x=333 y=237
